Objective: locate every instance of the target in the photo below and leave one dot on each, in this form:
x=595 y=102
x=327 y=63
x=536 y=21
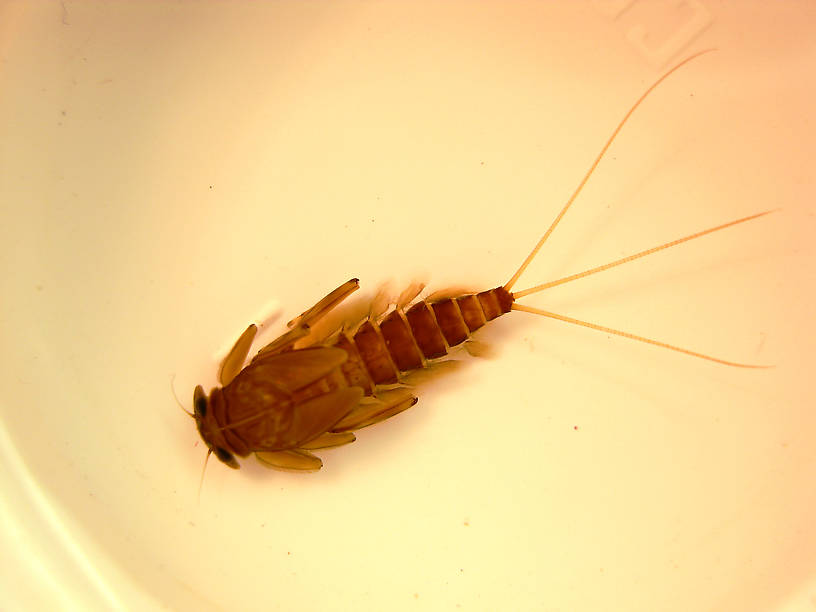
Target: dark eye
x=200 y=401
x=225 y=457
x=222 y=455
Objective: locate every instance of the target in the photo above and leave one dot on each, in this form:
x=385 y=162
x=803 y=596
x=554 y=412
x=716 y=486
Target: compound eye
x=225 y=457
x=200 y=401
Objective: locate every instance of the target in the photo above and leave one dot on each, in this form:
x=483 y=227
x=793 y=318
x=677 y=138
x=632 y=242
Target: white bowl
x=170 y=170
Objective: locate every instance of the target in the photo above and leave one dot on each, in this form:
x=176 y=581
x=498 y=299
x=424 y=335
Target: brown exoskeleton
x=307 y=391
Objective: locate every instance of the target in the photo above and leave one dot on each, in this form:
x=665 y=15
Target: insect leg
x=234 y=360
x=369 y=412
x=290 y=460
x=329 y=440
x=299 y=326
x=316 y=312
x=284 y=342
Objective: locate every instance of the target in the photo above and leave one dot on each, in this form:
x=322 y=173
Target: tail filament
x=538 y=288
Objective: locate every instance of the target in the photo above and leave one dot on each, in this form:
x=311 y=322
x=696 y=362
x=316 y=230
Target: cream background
x=168 y=169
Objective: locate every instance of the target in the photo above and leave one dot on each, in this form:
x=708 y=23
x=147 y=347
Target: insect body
x=289 y=401
x=311 y=390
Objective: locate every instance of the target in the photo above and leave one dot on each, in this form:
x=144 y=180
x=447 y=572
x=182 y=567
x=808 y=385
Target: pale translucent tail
x=519 y=294
x=628 y=258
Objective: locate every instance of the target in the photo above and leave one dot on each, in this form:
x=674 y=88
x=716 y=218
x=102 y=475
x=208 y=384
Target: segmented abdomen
x=404 y=340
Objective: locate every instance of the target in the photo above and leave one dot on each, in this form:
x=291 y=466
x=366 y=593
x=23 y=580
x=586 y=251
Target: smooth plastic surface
x=168 y=168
